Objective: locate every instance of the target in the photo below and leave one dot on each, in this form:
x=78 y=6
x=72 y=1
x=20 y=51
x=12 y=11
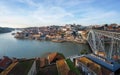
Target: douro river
x=12 y=47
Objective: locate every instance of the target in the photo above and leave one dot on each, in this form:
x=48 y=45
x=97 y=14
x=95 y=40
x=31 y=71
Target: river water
x=12 y=47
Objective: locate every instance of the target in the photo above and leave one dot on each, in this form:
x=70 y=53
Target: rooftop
x=21 y=68
x=5 y=62
x=90 y=64
x=62 y=67
x=48 y=70
x=52 y=56
x=8 y=69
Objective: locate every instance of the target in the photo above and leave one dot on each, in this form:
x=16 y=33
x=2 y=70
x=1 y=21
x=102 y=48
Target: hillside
x=5 y=29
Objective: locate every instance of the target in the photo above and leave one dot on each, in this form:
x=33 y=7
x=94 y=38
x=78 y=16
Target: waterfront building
x=95 y=65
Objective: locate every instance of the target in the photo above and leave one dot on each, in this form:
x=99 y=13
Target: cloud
x=64 y=3
x=51 y=14
x=40 y=16
x=48 y=12
x=98 y=17
x=4 y=10
x=76 y=2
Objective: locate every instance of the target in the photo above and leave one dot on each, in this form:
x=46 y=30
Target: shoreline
x=57 y=40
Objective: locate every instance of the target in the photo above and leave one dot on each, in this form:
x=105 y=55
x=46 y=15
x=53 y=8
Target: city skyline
x=29 y=13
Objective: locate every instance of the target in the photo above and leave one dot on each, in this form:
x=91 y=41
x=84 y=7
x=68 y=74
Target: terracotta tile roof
x=90 y=64
x=8 y=69
x=62 y=67
x=51 y=56
x=5 y=62
x=42 y=62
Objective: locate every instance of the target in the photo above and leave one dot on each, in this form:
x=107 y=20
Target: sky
x=30 y=13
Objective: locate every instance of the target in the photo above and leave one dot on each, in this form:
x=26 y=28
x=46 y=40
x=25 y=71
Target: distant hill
x=5 y=29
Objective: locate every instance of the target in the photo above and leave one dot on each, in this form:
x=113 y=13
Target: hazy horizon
x=36 y=13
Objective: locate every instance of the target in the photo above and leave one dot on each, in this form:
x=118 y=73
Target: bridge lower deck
x=109 y=64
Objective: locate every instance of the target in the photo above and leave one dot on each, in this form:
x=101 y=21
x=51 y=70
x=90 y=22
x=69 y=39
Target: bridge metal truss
x=105 y=41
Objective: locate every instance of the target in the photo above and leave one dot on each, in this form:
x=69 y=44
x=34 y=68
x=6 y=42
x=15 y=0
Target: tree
x=84 y=52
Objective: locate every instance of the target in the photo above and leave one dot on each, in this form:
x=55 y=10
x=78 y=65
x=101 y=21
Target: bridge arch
x=105 y=43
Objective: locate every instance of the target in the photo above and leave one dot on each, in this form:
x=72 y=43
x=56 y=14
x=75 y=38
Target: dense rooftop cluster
x=109 y=27
x=57 y=64
x=54 y=33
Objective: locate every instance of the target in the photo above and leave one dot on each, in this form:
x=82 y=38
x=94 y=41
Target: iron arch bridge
x=105 y=43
